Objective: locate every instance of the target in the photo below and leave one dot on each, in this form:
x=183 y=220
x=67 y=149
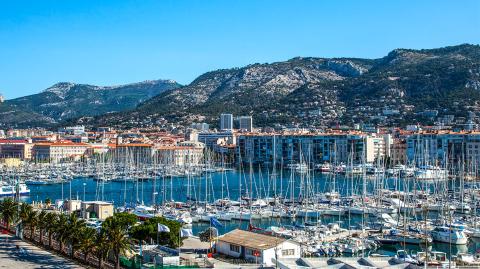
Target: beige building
x=20 y=149
x=26 y=132
x=73 y=205
x=96 y=209
x=398 y=151
x=57 y=151
x=186 y=153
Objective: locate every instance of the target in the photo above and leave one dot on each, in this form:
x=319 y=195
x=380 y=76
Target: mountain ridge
x=66 y=100
x=392 y=90
x=311 y=91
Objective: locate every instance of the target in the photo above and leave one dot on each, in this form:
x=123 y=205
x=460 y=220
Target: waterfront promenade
x=15 y=253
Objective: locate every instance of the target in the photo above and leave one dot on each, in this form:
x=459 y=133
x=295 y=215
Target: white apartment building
x=185 y=154
x=378 y=147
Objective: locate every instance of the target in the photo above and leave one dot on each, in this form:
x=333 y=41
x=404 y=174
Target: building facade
x=226 y=122
x=441 y=148
x=284 y=149
x=187 y=153
x=211 y=139
x=259 y=248
x=245 y=123
x=21 y=149
x=58 y=151
x=398 y=151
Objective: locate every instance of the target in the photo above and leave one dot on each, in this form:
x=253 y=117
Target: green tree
x=31 y=222
x=42 y=224
x=9 y=211
x=125 y=219
x=87 y=241
x=102 y=248
x=51 y=221
x=208 y=235
x=172 y=238
x=75 y=227
x=24 y=211
x=48 y=202
x=141 y=232
x=117 y=237
x=61 y=230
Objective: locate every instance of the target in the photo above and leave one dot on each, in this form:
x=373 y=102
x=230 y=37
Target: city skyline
x=227 y=133
x=122 y=42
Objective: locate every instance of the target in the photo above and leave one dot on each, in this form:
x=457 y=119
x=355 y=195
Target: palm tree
x=88 y=241
x=75 y=227
x=24 y=211
x=48 y=202
x=42 y=223
x=117 y=237
x=102 y=247
x=9 y=211
x=51 y=220
x=61 y=230
x=32 y=222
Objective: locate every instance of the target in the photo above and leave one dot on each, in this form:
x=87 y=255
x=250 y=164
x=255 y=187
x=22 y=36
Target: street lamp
x=84 y=184
x=154 y=202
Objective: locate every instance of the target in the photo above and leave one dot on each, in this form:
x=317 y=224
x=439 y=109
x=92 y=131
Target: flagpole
x=210 y=235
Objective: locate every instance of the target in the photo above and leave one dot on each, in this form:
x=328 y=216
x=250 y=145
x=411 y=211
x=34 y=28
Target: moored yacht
x=449 y=235
x=144 y=212
x=10 y=190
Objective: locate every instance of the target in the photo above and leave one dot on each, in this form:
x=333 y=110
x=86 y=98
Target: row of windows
x=288 y=252
x=235 y=248
x=254 y=252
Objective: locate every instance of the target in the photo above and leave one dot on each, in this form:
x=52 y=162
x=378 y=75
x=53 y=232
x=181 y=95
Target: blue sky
x=115 y=42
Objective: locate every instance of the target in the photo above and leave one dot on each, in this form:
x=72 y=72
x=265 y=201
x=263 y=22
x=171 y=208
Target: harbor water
x=232 y=185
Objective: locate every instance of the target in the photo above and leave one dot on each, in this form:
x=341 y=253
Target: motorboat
x=466 y=259
x=432 y=258
x=449 y=235
x=11 y=190
x=298 y=167
x=403 y=257
x=144 y=212
x=431 y=173
x=325 y=167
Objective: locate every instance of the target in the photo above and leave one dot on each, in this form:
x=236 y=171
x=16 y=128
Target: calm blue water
x=231 y=184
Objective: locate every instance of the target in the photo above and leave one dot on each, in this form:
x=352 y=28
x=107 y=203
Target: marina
x=330 y=212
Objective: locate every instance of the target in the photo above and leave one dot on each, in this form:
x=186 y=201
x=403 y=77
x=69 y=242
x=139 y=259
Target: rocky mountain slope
x=67 y=100
x=403 y=87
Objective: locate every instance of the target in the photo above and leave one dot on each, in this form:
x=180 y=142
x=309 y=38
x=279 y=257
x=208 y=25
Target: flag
x=186 y=232
x=215 y=223
x=162 y=228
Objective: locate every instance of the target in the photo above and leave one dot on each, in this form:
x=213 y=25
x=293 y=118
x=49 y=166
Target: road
x=28 y=256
